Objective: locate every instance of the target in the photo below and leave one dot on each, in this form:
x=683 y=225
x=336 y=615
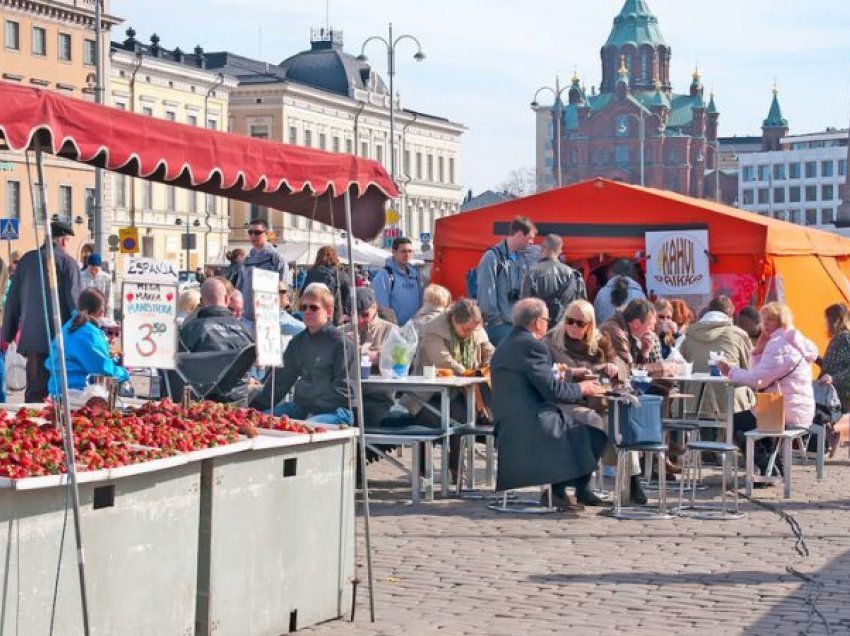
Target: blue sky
x=486 y=58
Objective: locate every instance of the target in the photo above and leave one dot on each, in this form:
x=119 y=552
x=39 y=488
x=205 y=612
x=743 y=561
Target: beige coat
x=435 y=346
x=375 y=334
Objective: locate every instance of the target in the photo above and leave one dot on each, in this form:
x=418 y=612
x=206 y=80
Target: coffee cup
x=429 y=372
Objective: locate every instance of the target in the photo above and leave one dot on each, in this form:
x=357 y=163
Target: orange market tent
x=753 y=258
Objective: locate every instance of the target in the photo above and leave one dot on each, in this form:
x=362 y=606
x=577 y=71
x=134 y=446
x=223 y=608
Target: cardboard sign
x=150 y=270
x=677 y=262
x=264 y=291
x=149 y=330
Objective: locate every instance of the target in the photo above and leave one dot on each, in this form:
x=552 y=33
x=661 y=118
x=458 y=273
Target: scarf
x=463 y=351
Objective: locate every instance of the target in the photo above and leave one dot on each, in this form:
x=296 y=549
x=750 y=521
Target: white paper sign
x=150 y=270
x=149 y=330
x=677 y=262
x=264 y=291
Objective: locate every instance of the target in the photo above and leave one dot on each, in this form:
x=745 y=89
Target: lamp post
x=391 y=45
x=196 y=223
x=642 y=138
x=219 y=81
x=557 y=110
x=99 y=229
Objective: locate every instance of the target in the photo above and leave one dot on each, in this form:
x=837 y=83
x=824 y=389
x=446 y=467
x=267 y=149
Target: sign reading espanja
x=678 y=262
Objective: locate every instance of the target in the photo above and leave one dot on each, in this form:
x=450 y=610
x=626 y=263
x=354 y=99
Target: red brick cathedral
x=602 y=133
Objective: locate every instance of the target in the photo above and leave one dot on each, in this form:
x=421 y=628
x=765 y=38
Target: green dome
x=635 y=24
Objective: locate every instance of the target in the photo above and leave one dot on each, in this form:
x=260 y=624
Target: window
x=441 y=169
x=430 y=167
x=66 y=201
x=192 y=120
x=13 y=35
x=209 y=204
x=379 y=154
x=747 y=173
x=170 y=115
x=89 y=52
x=826 y=192
x=147 y=195
x=65 y=47
x=826 y=168
x=764 y=171
x=13 y=199
x=811 y=217
x=406 y=167
x=364 y=149
x=763 y=196
x=323 y=141
x=811 y=169
x=779 y=171
x=747 y=197
x=811 y=193
x=193 y=201
x=842 y=167
x=293 y=135
x=147 y=110
x=794 y=216
x=621 y=153
x=39 y=41
x=779 y=195
x=418 y=165
x=794 y=170
x=212 y=124
x=120 y=191
x=335 y=144
x=794 y=194
x=91 y=201
x=308 y=138
x=827 y=216
x=349 y=146
x=170 y=198
x=451 y=169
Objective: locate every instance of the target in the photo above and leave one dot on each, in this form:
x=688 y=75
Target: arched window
x=646 y=65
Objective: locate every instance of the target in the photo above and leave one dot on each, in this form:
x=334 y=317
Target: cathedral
x=635 y=128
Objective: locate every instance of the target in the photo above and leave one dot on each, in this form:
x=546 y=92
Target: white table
x=704 y=379
x=443 y=386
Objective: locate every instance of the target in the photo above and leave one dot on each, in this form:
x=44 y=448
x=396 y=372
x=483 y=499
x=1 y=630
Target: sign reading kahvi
x=149 y=305
x=264 y=289
x=677 y=262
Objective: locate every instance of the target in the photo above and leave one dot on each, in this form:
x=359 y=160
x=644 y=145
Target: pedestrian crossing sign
x=9 y=229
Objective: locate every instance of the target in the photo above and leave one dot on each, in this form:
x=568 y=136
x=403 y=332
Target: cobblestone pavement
x=454 y=567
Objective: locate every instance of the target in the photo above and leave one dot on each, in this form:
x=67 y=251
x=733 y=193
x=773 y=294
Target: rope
x=814 y=588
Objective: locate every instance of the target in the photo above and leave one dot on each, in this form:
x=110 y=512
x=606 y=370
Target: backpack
x=573 y=288
x=472 y=275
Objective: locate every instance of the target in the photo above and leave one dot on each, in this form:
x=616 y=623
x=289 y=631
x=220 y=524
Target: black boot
x=638 y=496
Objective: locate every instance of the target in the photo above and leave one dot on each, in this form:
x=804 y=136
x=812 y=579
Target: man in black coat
x=541 y=438
x=24 y=311
x=214 y=328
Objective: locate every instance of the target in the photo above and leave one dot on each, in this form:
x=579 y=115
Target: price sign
x=264 y=288
x=149 y=331
x=150 y=270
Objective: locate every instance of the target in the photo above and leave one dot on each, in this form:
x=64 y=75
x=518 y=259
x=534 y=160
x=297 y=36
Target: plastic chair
x=209 y=375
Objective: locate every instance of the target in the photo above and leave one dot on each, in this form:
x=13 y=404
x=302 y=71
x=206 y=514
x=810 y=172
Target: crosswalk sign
x=9 y=229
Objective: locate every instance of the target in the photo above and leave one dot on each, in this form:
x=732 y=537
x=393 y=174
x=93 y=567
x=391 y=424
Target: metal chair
x=466 y=459
x=510 y=502
x=209 y=375
x=417 y=437
x=619 y=511
x=690 y=473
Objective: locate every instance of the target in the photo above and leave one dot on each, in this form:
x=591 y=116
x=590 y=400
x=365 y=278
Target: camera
x=513 y=295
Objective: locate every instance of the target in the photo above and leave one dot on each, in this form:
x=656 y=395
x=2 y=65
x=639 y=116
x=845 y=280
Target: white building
x=328 y=99
x=801 y=182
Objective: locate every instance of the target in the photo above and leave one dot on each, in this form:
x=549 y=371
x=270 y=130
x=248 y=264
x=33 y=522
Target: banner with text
x=149 y=329
x=677 y=262
x=264 y=286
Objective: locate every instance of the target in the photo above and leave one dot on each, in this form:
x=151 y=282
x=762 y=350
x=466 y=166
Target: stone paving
x=455 y=567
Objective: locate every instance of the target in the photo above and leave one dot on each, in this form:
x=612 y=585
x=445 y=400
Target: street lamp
x=391 y=44
x=557 y=110
x=642 y=135
x=219 y=81
x=99 y=228
x=196 y=223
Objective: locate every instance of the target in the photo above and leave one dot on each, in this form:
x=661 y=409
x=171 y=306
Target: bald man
x=214 y=328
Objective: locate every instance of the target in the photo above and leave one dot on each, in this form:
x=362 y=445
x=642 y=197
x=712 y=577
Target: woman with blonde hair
x=435 y=300
x=672 y=318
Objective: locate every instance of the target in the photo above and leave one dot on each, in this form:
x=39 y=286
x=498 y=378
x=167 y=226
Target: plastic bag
x=397 y=351
x=16 y=369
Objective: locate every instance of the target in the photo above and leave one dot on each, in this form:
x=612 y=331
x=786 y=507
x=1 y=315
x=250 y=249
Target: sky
x=487 y=58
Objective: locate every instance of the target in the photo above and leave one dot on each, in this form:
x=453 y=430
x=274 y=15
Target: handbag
x=770 y=412
x=641 y=423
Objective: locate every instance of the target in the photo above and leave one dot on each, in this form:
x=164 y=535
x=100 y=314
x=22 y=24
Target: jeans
x=337 y=418
x=498 y=332
x=2 y=377
x=37 y=377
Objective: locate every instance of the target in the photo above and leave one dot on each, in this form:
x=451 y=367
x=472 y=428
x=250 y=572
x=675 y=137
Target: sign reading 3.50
x=149 y=331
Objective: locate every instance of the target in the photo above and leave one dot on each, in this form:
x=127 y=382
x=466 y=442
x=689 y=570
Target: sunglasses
x=256 y=232
x=661 y=317
x=310 y=307
x=575 y=321
x=365 y=314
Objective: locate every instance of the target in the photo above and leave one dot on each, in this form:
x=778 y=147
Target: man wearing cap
x=551 y=281
x=94 y=276
x=372 y=329
x=262 y=255
x=24 y=315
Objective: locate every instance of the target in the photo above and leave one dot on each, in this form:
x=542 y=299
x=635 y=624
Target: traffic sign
x=128 y=239
x=388 y=242
x=424 y=237
x=393 y=217
x=392 y=232
x=9 y=229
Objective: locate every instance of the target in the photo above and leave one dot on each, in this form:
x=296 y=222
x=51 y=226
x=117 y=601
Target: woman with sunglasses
x=672 y=318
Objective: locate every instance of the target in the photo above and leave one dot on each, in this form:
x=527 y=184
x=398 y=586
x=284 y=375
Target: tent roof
x=302 y=181
x=599 y=214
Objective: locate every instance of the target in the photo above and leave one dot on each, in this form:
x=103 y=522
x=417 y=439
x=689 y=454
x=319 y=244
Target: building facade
x=634 y=128
x=50 y=45
x=150 y=80
x=326 y=98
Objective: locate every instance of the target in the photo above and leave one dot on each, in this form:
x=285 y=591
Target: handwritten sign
x=264 y=288
x=149 y=331
x=678 y=262
x=150 y=270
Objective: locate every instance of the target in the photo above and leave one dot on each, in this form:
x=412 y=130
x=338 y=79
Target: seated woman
x=779 y=363
x=577 y=343
x=436 y=300
x=668 y=330
x=86 y=347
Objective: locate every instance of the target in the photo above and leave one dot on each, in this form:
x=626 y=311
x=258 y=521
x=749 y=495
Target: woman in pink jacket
x=779 y=363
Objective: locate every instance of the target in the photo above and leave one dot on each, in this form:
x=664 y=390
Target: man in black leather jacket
x=214 y=328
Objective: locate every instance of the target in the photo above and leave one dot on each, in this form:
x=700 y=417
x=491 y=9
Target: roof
x=635 y=24
x=680 y=106
x=774 y=116
x=486 y=198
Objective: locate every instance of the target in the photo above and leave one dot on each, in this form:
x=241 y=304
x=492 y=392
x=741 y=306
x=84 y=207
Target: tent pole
x=358 y=397
x=67 y=432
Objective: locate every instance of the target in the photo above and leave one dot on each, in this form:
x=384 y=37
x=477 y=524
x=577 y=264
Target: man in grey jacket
x=25 y=307
x=500 y=274
x=551 y=281
x=262 y=255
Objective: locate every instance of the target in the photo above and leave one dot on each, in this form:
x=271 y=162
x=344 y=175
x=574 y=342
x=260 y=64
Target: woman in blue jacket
x=86 y=347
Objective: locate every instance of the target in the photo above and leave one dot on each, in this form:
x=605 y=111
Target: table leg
x=750 y=466
x=444 y=456
x=787 y=458
x=730 y=411
x=470 y=421
x=429 y=470
x=415 y=483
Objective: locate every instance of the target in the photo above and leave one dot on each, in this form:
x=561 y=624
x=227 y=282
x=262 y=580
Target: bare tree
x=520 y=182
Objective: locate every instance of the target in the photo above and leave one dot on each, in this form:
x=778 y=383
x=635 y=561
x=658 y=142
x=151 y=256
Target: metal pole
x=558 y=144
x=65 y=408
x=358 y=401
x=99 y=229
x=717 y=171
x=391 y=71
x=212 y=88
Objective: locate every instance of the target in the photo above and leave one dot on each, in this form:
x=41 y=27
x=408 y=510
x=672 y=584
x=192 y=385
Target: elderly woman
x=779 y=363
x=436 y=300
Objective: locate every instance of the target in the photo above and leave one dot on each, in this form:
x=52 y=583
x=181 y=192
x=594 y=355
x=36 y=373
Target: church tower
x=636 y=38
x=775 y=127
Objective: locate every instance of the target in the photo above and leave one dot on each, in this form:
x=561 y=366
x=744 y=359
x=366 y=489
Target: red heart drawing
x=130 y=297
x=169 y=296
